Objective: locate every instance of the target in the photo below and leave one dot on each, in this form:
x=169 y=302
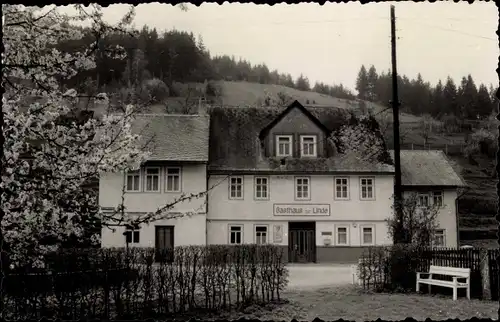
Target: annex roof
x=427 y=168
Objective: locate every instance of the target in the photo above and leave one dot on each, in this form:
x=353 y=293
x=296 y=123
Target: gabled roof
x=174 y=137
x=235 y=144
x=427 y=168
x=295 y=104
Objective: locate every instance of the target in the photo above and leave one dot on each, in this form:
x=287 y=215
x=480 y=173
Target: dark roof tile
x=427 y=168
x=235 y=145
x=174 y=137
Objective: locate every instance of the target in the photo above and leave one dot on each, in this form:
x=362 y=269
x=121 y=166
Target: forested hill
x=163 y=62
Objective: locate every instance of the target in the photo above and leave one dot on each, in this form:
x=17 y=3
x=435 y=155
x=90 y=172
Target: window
x=423 y=200
x=261 y=235
x=133 y=179
x=341 y=235
x=261 y=188
x=236 y=188
x=367 y=192
x=283 y=145
x=152 y=179
x=235 y=235
x=308 y=145
x=439 y=238
x=367 y=235
x=437 y=198
x=341 y=188
x=302 y=188
x=173 y=180
x=132 y=235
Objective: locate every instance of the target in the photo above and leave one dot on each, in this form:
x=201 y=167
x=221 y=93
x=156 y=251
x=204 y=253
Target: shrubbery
x=130 y=284
x=391 y=268
x=394 y=268
x=483 y=142
x=156 y=89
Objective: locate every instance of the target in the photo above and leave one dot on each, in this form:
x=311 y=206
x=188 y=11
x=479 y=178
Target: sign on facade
x=301 y=209
x=278 y=234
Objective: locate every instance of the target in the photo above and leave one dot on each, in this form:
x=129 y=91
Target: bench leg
x=418 y=287
x=454 y=294
x=468 y=292
x=430 y=288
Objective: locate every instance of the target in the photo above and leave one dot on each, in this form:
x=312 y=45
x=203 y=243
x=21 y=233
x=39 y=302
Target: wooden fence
x=420 y=261
x=463 y=258
x=494 y=271
x=448 y=149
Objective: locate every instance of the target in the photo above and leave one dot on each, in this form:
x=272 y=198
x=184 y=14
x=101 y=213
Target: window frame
x=290 y=138
x=266 y=232
x=134 y=234
x=137 y=173
x=347 y=243
x=146 y=178
x=442 y=197
x=423 y=194
x=335 y=188
x=308 y=188
x=167 y=176
x=314 y=143
x=362 y=235
x=230 y=231
x=255 y=184
x=434 y=237
x=361 y=188
x=242 y=187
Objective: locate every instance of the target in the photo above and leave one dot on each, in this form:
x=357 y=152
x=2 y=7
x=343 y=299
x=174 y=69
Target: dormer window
x=283 y=145
x=308 y=145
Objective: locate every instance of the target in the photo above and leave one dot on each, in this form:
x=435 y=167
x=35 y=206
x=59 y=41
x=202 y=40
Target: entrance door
x=302 y=242
x=164 y=243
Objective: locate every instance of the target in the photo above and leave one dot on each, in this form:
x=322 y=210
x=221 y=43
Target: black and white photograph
x=260 y=161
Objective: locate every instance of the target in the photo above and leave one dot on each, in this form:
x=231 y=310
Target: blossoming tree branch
x=49 y=157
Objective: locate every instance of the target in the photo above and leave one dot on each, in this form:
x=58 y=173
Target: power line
x=449 y=29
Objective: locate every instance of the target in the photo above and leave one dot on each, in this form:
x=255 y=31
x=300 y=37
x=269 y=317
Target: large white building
x=273 y=176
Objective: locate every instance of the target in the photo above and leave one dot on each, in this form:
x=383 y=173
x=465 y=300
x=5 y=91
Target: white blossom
x=360 y=142
x=46 y=163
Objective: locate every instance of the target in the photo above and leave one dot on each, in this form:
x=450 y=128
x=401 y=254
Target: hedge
x=145 y=283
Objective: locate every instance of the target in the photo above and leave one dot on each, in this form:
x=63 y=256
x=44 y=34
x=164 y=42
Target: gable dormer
x=295 y=133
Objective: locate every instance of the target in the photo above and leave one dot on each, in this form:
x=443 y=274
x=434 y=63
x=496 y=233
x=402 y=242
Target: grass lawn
x=350 y=303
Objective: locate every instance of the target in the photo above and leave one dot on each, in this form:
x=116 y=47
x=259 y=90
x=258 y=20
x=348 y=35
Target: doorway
x=302 y=242
x=164 y=243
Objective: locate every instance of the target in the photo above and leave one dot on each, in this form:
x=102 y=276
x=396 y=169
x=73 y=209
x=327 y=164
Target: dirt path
x=350 y=303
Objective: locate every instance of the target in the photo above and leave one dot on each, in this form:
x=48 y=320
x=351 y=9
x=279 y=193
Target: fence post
x=485 y=273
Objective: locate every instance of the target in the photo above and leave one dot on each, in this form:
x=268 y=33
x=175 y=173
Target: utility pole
x=398 y=236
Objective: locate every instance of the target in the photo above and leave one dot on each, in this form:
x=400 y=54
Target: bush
x=144 y=282
x=483 y=142
x=394 y=268
x=451 y=123
x=391 y=268
x=213 y=90
x=156 y=89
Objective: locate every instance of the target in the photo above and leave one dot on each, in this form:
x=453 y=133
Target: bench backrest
x=450 y=271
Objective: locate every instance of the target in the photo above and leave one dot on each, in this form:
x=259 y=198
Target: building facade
x=272 y=176
x=430 y=177
x=289 y=186
x=177 y=167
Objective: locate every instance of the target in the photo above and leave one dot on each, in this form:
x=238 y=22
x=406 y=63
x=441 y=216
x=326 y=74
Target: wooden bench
x=455 y=272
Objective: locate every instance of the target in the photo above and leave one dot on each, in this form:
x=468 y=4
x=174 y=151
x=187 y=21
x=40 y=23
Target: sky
x=329 y=43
